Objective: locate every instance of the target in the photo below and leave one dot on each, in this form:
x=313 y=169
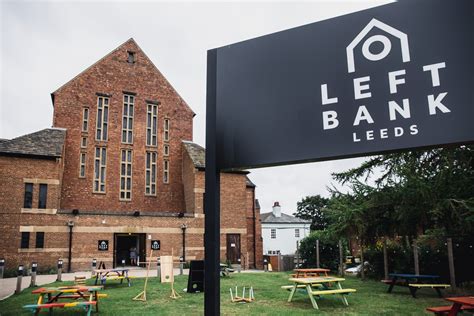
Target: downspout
x=254 y=231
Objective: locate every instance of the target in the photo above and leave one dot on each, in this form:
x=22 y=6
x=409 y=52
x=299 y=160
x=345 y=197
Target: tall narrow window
x=99 y=169
x=131 y=57
x=84 y=142
x=127 y=119
x=166 y=130
x=150 y=173
x=85 y=119
x=43 y=195
x=151 y=124
x=297 y=232
x=126 y=175
x=28 y=200
x=166 y=171
x=166 y=150
x=82 y=166
x=102 y=118
x=25 y=240
x=273 y=233
x=39 y=240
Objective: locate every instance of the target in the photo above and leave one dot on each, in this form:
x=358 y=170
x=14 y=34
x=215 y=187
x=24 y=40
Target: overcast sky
x=45 y=44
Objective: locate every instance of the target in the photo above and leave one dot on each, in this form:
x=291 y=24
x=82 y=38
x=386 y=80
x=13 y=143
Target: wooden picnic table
x=102 y=275
x=310 y=272
x=322 y=284
x=414 y=282
x=464 y=303
x=78 y=296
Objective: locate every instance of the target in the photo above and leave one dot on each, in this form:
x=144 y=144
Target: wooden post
x=341 y=262
x=317 y=254
x=385 y=259
x=362 y=270
x=452 y=275
x=415 y=258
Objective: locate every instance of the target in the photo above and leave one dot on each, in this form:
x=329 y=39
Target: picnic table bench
x=310 y=272
x=225 y=271
x=79 y=296
x=102 y=275
x=465 y=303
x=414 y=282
x=323 y=288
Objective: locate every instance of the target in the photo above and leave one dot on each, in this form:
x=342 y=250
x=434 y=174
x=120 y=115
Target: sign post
x=387 y=79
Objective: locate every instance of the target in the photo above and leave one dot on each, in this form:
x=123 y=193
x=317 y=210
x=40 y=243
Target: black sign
x=103 y=245
x=393 y=77
x=155 y=244
x=196 y=276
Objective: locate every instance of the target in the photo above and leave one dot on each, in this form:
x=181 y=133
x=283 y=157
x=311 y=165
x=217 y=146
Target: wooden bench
x=35 y=308
x=337 y=291
x=300 y=286
x=444 y=310
x=437 y=287
x=80 y=280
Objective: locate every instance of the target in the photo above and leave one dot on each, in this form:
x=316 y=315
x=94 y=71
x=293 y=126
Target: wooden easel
x=174 y=294
x=242 y=299
x=142 y=295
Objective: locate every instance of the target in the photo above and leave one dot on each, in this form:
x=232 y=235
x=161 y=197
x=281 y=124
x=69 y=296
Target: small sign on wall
x=103 y=245
x=155 y=245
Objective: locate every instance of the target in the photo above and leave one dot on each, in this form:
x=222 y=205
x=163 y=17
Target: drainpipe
x=254 y=231
x=183 y=228
x=70 y=224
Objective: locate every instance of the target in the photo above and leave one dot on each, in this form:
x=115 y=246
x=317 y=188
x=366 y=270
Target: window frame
x=166 y=150
x=297 y=233
x=43 y=195
x=82 y=164
x=166 y=171
x=100 y=162
x=39 y=245
x=128 y=106
x=102 y=119
x=84 y=142
x=85 y=120
x=152 y=124
x=150 y=165
x=25 y=240
x=273 y=233
x=166 y=129
x=30 y=205
x=126 y=158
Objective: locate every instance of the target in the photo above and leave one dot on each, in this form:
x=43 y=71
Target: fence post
x=181 y=265
x=34 y=267
x=60 y=270
x=239 y=264
x=452 y=275
x=2 y=267
x=385 y=259
x=415 y=258
x=19 y=279
x=158 y=268
x=341 y=262
x=317 y=254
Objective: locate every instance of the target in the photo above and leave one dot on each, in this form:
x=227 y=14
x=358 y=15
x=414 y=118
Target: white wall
x=285 y=240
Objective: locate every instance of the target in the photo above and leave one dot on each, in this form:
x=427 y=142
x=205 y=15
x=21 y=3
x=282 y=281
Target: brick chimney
x=277 y=209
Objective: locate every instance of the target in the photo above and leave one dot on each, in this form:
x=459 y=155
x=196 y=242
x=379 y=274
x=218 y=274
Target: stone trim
x=198 y=190
x=199 y=215
x=29 y=250
x=43 y=181
x=125 y=229
x=153 y=102
x=50 y=211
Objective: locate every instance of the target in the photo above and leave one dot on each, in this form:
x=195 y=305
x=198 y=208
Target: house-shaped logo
x=384 y=40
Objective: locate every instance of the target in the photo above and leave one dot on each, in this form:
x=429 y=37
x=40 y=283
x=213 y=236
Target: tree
x=311 y=208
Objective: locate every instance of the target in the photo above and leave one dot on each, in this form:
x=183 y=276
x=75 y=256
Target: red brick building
x=119 y=165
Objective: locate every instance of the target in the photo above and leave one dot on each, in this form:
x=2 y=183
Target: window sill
x=51 y=211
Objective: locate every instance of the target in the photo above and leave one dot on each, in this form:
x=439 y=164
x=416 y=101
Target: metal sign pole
x=212 y=197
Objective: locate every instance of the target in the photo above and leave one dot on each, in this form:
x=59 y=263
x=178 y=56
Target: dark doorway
x=123 y=244
x=233 y=247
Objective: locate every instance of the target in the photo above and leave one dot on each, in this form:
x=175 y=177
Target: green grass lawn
x=371 y=299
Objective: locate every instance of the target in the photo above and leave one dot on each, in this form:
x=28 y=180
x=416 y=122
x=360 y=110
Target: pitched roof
x=130 y=40
x=249 y=182
x=48 y=142
x=284 y=219
x=196 y=153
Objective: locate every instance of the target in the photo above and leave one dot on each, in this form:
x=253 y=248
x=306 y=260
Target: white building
x=280 y=231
